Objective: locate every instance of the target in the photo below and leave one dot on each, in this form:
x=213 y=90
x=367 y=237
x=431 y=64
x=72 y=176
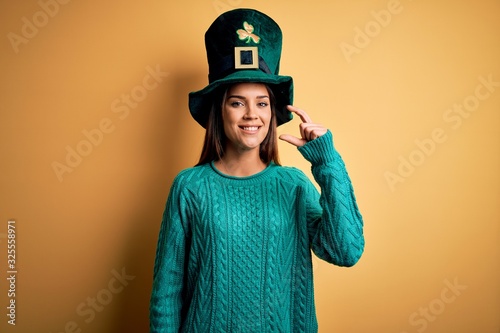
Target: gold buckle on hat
x=246 y=57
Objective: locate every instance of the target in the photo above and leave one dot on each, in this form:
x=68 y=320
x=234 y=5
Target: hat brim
x=201 y=101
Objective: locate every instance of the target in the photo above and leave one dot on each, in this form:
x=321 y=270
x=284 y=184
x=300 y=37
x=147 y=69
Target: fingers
x=308 y=130
x=301 y=113
x=293 y=140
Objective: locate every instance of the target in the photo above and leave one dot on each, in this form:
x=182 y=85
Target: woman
x=234 y=250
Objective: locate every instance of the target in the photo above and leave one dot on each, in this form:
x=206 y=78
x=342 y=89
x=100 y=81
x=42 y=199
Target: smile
x=249 y=128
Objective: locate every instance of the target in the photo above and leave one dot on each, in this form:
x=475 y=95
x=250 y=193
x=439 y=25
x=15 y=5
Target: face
x=246 y=114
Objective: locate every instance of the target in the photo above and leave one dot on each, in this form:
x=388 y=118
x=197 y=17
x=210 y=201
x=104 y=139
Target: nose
x=250 y=112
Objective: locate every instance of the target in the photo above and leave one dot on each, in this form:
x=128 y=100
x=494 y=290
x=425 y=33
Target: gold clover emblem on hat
x=248 y=33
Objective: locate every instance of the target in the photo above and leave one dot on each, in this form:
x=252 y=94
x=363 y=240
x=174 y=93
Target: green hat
x=243 y=45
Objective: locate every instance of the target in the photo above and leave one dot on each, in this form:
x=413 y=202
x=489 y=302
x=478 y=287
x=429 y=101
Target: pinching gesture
x=308 y=130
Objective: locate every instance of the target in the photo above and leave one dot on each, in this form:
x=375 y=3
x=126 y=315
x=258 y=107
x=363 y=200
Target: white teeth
x=253 y=128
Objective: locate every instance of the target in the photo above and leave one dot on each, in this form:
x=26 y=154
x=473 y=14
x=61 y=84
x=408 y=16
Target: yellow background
x=436 y=225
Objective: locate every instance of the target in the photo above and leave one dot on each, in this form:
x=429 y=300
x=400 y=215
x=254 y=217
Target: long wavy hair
x=215 y=138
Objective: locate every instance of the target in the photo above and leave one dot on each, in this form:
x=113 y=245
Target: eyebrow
x=243 y=97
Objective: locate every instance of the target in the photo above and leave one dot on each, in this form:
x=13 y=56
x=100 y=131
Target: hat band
x=226 y=66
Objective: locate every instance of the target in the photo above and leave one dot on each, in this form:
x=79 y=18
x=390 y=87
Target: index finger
x=301 y=113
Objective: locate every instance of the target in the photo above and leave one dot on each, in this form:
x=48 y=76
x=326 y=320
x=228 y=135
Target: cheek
x=227 y=121
x=228 y=130
x=267 y=122
x=266 y=116
x=269 y=118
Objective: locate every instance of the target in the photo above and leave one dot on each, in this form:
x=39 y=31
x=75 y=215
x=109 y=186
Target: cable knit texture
x=234 y=253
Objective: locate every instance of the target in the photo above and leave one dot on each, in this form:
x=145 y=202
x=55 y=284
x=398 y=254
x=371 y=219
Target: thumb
x=292 y=140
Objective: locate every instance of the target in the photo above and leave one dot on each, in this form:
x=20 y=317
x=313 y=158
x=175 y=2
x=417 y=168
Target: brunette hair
x=215 y=138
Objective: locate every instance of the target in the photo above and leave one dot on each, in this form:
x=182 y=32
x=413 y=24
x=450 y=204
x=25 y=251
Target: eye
x=236 y=104
x=263 y=104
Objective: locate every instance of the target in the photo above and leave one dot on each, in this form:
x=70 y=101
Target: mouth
x=250 y=128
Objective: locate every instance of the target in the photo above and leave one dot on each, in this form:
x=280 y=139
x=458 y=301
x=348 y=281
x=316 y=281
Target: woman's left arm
x=337 y=228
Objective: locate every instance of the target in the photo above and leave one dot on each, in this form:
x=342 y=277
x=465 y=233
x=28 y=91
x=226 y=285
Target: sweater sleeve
x=336 y=226
x=168 y=276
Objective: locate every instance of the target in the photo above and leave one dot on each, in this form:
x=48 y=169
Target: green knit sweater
x=234 y=253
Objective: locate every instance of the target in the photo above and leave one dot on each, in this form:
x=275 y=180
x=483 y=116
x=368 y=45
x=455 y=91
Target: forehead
x=248 y=89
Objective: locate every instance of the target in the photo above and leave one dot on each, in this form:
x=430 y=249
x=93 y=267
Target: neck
x=241 y=164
